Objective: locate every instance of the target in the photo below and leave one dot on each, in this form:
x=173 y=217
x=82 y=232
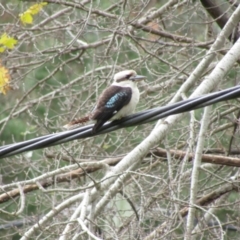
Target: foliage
x=27 y=16
x=4 y=79
x=57 y=57
x=6 y=42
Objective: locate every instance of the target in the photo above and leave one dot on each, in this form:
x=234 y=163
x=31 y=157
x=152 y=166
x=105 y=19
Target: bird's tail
x=76 y=122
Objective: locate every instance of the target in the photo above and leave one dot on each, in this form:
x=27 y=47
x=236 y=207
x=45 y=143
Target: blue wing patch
x=110 y=102
x=114 y=99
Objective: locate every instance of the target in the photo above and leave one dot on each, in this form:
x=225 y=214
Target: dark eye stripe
x=124 y=78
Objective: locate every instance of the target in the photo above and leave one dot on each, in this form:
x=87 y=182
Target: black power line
x=131 y=120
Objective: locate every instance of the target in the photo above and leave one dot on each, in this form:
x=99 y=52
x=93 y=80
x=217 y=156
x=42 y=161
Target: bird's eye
x=128 y=76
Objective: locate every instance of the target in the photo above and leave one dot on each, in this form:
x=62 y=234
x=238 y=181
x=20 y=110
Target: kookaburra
x=116 y=101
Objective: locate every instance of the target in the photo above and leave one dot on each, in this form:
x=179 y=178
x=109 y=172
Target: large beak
x=137 y=78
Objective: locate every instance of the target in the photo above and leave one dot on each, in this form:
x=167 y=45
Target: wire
x=131 y=120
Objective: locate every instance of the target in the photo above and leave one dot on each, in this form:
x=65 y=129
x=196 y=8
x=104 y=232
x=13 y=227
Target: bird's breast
x=130 y=107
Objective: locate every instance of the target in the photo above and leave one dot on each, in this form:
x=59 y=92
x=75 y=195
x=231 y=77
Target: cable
x=131 y=120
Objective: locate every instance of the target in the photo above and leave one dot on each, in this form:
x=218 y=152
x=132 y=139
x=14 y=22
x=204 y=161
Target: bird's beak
x=137 y=78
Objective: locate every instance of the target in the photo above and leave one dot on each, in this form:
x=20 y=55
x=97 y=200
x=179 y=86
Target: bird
x=116 y=101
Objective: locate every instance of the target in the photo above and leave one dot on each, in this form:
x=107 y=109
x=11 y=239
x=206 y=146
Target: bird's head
x=127 y=76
